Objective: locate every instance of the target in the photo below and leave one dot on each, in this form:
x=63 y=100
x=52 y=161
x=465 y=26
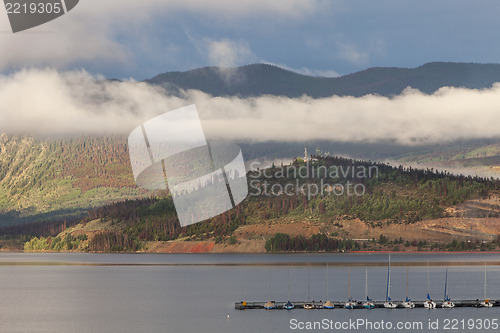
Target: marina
x=279 y=305
x=351 y=303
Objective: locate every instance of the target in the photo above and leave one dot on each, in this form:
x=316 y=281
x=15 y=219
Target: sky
x=139 y=39
x=52 y=77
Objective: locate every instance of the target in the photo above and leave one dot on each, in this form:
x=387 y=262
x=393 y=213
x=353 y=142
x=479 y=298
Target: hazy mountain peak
x=266 y=79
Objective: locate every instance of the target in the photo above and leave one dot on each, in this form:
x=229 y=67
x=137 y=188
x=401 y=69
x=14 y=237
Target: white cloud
x=318 y=72
x=351 y=53
x=228 y=53
x=47 y=102
x=358 y=55
x=89 y=32
x=308 y=71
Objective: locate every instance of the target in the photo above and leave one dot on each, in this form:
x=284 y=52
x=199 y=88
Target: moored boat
x=408 y=304
x=486 y=303
x=328 y=305
x=270 y=305
x=429 y=303
x=350 y=304
x=447 y=303
x=288 y=306
x=368 y=304
x=389 y=304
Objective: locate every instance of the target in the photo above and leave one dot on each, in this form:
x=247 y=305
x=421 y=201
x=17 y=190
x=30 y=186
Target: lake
x=196 y=293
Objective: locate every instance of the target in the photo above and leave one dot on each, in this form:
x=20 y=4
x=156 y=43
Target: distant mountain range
x=263 y=79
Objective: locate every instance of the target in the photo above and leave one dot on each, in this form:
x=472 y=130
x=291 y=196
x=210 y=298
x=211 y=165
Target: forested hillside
x=392 y=196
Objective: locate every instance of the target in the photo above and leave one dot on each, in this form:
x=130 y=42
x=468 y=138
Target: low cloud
x=48 y=102
x=307 y=71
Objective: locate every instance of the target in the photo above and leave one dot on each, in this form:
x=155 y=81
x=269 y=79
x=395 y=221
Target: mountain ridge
x=264 y=79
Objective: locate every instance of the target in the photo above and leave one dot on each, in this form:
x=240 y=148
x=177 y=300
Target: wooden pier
x=378 y=304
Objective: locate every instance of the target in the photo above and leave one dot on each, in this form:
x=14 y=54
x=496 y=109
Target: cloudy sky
x=139 y=39
x=51 y=77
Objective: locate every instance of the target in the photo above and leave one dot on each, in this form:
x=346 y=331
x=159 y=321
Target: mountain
x=261 y=79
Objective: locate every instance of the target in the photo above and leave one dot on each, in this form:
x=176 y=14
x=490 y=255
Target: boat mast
x=485 y=280
x=289 y=282
x=366 y=282
x=387 y=292
x=406 y=282
x=270 y=291
x=445 y=285
x=308 y=282
x=428 y=291
x=327 y=294
x=349 y=282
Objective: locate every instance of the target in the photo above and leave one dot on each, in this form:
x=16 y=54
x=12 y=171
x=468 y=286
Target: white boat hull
x=390 y=305
x=408 y=305
x=485 y=304
x=350 y=305
x=368 y=305
x=448 y=305
x=308 y=306
x=429 y=305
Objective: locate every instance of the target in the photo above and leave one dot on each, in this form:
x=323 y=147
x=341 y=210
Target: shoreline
x=263 y=253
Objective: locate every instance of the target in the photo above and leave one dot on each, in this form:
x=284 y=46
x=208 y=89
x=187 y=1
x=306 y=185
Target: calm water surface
x=196 y=293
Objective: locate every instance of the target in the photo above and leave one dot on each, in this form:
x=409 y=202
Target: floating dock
x=378 y=304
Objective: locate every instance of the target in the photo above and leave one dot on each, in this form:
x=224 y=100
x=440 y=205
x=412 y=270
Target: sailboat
x=308 y=305
x=486 y=303
x=369 y=303
x=447 y=303
x=288 y=305
x=408 y=303
x=429 y=304
x=270 y=305
x=389 y=304
x=350 y=304
x=328 y=304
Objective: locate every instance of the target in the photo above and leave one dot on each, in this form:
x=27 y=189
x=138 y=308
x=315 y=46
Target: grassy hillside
x=482 y=159
x=47 y=179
